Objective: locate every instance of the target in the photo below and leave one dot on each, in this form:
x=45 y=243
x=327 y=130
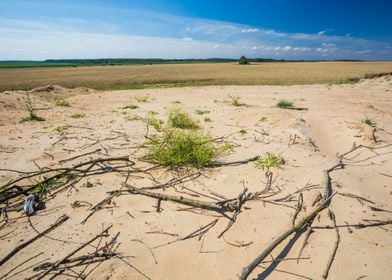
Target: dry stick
x=298 y=226
x=22 y=263
x=240 y=201
x=199 y=232
x=78 y=156
x=238 y=162
x=183 y=200
x=298 y=208
x=332 y=257
x=56 y=264
x=59 y=222
x=308 y=233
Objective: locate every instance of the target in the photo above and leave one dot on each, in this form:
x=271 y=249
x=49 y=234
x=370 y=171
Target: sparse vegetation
x=62 y=102
x=263 y=119
x=130 y=106
x=201 y=112
x=31 y=118
x=243 y=131
x=269 y=161
x=207 y=119
x=180 y=119
x=60 y=129
x=135 y=118
x=142 y=98
x=283 y=104
x=32 y=115
x=235 y=101
x=154 y=122
x=78 y=116
x=369 y=121
x=185 y=147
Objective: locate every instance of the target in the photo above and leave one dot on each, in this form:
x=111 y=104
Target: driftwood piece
x=56 y=264
x=59 y=222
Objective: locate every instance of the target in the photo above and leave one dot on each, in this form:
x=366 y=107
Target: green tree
x=243 y=60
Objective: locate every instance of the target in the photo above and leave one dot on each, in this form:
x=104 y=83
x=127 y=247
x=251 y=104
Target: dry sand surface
x=331 y=125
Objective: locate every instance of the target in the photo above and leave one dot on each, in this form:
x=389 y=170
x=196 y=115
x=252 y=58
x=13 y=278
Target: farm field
x=115 y=211
x=150 y=76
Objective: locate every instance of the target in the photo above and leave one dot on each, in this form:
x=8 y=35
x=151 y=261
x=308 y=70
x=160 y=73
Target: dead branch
x=59 y=222
x=56 y=264
x=216 y=206
x=298 y=208
x=240 y=201
x=333 y=254
x=308 y=233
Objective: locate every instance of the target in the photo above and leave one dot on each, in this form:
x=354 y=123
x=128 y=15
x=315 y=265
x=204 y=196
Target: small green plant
x=153 y=113
x=268 y=161
x=130 y=106
x=30 y=109
x=283 y=104
x=88 y=184
x=201 y=112
x=62 y=102
x=32 y=118
x=78 y=116
x=176 y=102
x=263 y=119
x=369 y=121
x=60 y=129
x=235 y=101
x=243 y=131
x=180 y=119
x=135 y=118
x=142 y=98
x=154 y=122
x=207 y=119
x=184 y=147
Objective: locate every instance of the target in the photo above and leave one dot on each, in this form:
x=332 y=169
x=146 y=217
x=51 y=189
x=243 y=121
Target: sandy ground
x=331 y=125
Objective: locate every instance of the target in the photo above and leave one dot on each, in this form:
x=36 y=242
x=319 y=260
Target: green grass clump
x=268 y=161
x=235 y=101
x=283 y=104
x=201 y=112
x=369 y=121
x=263 y=119
x=180 y=119
x=130 y=106
x=62 y=102
x=32 y=118
x=154 y=122
x=243 y=131
x=78 y=116
x=184 y=147
x=60 y=129
x=207 y=119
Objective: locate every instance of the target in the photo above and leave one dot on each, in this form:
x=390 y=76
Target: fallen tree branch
x=59 y=222
x=216 y=206
x=333 y=254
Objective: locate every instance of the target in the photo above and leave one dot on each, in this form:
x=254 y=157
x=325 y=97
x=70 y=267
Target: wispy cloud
x=146 y=34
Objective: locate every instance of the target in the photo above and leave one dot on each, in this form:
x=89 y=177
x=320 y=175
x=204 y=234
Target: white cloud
x=187 y=39
x=249 y=30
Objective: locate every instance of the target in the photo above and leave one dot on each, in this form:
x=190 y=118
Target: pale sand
x=333 y=122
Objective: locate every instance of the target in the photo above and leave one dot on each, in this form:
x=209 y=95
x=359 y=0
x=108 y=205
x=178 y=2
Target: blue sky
x=282 y=29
